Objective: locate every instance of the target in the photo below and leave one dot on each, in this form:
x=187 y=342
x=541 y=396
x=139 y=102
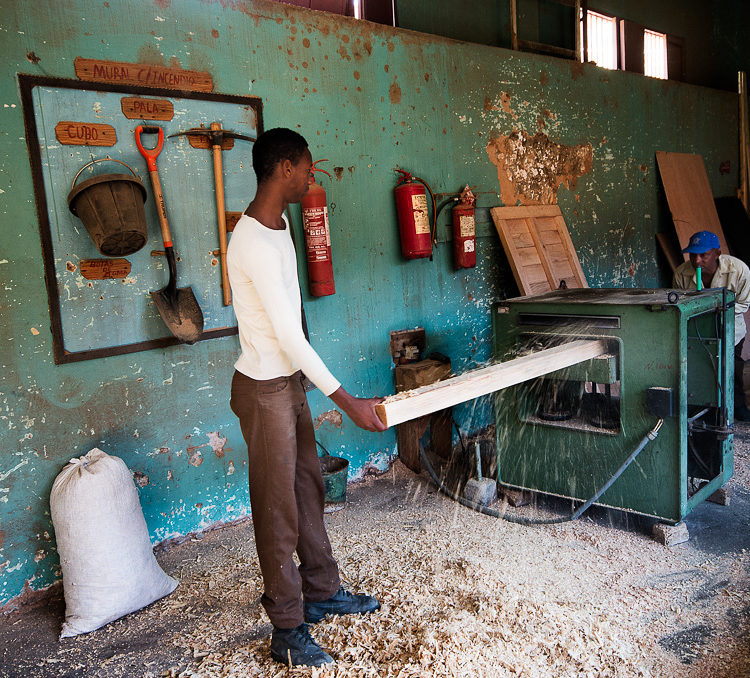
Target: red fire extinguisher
x=464 y=231
x=413 y=217
x=318 y=238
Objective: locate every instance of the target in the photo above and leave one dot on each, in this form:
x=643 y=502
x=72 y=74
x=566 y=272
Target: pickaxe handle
x=221 y=217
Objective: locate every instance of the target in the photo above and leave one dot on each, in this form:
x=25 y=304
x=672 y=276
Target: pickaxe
x=216 y=136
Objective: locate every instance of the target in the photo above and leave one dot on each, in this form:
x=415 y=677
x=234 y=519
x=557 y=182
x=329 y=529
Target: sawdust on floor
x=462 y=594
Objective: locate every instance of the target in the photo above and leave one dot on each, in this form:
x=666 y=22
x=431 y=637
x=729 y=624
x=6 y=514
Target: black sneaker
x=296 y=647
x=341 y=602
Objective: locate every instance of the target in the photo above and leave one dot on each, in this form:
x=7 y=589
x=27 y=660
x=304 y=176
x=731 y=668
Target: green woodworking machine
x=670 y=357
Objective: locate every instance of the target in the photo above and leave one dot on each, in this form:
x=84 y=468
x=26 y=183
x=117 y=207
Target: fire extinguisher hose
x=445 y=204
x=319 y=169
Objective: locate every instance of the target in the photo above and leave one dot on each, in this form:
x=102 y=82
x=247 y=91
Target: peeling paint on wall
x=217 y=443
x=332 y=417
x=531 y=170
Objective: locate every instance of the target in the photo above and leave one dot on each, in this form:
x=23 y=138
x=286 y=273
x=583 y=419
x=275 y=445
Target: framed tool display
x=104 y=257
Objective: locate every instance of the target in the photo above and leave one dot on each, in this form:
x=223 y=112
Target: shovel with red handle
x=178 y=307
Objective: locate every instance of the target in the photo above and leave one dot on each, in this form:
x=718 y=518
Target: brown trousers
x=286 y=495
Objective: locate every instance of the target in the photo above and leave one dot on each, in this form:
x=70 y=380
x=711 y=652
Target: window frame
x=630 y=45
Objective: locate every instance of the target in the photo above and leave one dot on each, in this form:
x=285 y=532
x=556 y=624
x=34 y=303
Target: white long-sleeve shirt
x=262 y=269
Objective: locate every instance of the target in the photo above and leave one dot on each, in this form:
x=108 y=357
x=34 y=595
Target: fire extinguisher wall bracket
x=415 y=231
x=317 y=229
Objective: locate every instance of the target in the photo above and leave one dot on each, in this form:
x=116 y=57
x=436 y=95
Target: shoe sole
x=315 y=620
x=285 y=661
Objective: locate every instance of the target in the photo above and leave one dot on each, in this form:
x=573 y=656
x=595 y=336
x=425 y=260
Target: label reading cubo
x=70 y=133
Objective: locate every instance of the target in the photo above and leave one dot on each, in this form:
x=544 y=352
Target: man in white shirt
x=720 y=270
x=286 y=487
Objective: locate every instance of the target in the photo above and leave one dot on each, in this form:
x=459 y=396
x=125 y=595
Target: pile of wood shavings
x=462 y=595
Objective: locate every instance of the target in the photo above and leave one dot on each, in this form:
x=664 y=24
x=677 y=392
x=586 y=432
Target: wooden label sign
x=143 y=75
x=71 y=133
x=202 y=141
x=99 y=269
x=137 y=108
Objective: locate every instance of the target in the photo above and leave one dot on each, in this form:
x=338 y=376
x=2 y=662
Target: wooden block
x=470 y=385
x=440 y=429
x=516 y=498
x=407 y=436
x=671 y=535
x=414 y=375
x=721 y=496
x=407 y=345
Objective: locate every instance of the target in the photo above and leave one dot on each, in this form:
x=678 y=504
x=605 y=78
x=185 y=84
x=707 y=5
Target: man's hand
x=360 y=410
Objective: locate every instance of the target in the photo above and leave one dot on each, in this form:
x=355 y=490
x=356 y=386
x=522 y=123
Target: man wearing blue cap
x=715 y=269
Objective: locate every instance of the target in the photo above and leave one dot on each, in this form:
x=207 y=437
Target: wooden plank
x=567 y=244
x=71 y=133
x=539 y=248
x=548 y=273
x=470 y=385
x=142 y=75
x=689 y=196
x=743 y=192
x=525 y=211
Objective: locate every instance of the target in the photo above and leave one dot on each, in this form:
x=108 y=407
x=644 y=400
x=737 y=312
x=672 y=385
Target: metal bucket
x=335 y=471
x=111 y=208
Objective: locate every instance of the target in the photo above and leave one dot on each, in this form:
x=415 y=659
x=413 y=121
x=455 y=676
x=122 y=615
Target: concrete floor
x=700 y=622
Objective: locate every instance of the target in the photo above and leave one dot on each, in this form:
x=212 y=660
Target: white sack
x=108 y=564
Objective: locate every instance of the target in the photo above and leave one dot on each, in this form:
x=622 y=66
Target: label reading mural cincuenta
x=136 y=108
x=70 y=133
x=144 y=75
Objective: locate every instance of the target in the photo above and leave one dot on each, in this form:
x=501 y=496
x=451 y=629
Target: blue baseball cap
x=702 y=241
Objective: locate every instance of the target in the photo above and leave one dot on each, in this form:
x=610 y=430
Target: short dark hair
x=274 y=146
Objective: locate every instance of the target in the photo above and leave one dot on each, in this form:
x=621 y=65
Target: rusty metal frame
x=27 y=83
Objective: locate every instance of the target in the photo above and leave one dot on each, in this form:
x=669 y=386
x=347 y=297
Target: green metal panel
x=649 y=339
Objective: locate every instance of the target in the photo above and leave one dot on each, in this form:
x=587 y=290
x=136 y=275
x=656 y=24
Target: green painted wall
x=369 y=98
